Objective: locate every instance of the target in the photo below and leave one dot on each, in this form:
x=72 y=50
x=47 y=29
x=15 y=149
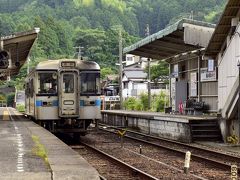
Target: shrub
x=159 y=102
x=144 y=101
x=130 y=103
x=21 y=108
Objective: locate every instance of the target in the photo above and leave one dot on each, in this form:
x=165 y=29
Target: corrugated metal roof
x=19 y=46
x=170 y=41
x=135 y=73
x=222 y=29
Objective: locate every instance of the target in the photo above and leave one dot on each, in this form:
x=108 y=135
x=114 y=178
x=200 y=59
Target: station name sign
x=208 y=75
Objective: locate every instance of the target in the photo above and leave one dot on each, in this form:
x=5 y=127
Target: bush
x=144 y=101
x=138 y=106
x=21 y=108
x=130 y=103
x=159 y=102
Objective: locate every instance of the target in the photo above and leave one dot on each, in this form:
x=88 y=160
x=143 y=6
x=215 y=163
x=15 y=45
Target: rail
x=140 y=173
x=176 y=147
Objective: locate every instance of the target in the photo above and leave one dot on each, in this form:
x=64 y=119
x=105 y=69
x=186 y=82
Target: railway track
x=218 y=159
x=158 y=163
x=199 y=167
x=117 y=168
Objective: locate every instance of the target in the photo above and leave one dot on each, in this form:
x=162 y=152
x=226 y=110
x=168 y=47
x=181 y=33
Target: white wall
x=228 y=69
x=135 y=89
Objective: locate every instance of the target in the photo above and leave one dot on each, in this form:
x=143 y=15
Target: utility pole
x=120 y=67
x=79 y=52
x=28 y=62
x=149 y=72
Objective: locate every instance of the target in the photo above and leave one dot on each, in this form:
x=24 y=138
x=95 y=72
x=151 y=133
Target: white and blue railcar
x=64 y=95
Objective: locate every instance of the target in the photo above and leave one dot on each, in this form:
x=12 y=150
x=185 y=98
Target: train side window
x=90 y=83
x=47 y=83
x=27 y=89
x=31 y=88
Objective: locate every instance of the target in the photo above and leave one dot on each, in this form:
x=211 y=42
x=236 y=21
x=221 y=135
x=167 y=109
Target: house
x=135 y=82
x=224 y=50
x=132 y=59
x=19 y=99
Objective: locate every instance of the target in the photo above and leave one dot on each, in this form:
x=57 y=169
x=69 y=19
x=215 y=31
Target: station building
x=224 y=49
x=182 y=45
x=204 y=63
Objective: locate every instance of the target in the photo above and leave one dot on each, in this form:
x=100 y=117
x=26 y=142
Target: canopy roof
x=222 y=29
x=183 y=36
x=18 y=46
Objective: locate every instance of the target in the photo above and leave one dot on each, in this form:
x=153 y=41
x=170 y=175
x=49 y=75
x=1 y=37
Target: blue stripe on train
x=39 y=103
x=55 y=103
x=98 y=102
x=81 y=103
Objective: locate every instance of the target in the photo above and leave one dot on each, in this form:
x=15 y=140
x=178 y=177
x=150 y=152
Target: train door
x=68 y=96
x=31 y=97
x=29 y=100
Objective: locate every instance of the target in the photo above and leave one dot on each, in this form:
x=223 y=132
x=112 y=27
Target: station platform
x=183 y=128
x=28 y=151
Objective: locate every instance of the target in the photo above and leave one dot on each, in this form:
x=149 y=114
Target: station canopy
x=18 y=46
x=223 y=27
x=184 y=36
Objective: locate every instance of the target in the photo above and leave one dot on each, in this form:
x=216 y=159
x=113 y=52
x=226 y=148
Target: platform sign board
x=175 y=70
x=208 y=75
x=173 y=92
x=193 y=84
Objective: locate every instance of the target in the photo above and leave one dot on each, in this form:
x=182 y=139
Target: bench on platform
x=191 y=107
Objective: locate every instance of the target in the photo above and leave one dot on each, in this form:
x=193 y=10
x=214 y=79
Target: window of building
x=129 y=58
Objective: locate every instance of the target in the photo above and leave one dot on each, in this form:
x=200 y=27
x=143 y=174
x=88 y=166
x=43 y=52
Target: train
x=64 y=95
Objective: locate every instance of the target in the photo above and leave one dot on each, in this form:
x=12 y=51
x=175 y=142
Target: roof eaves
x=168 y=30
x=213 y=52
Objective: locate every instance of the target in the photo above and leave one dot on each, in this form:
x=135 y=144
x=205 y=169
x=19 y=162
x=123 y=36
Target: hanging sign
x=193 y=84
x=210 y=65
x=208 y=75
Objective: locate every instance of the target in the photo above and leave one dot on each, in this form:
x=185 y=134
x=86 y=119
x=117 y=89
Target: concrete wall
x=171 y=128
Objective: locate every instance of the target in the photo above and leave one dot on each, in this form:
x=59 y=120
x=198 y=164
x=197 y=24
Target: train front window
x=68 y=83
x=90 y=83
x=47 y=83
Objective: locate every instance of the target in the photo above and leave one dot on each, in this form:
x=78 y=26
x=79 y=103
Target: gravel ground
x=157 y=162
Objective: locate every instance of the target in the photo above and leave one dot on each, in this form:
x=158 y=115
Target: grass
x=39 y=150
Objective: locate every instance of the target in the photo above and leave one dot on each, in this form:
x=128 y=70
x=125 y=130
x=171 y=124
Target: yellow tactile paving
x=6 y=116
